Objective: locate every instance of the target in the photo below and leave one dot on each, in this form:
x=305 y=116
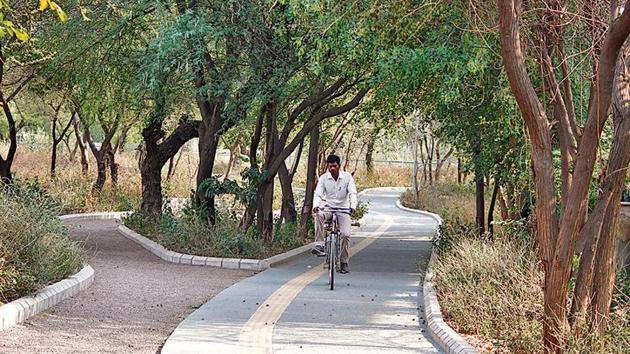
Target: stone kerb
x=230 y=263
x=447 y=338
x=23 y=308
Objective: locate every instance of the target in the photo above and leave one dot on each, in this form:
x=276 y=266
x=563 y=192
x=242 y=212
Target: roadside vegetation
x=35 y=249
x=490 y=289
x=234 y=106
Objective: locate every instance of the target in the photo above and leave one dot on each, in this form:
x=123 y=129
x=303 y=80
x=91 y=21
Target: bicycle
x=332 y=244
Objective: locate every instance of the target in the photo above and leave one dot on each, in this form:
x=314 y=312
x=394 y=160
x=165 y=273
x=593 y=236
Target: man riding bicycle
x=335 y=189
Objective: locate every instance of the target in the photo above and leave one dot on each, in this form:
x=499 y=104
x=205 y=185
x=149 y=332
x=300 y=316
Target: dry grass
x=492 y=290
x=34 y=247
x=449 y=200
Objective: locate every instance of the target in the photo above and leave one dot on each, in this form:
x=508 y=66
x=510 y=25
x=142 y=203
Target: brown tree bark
x=557 y=245
x=440 y=162
x=6 y=176
x=82 y=145
x=234 y=149
x=311 y=182
x=493 y=200
x=100 y=155
x=156 y=156
x=369 y=153
x=479 y=202
x=288 y=210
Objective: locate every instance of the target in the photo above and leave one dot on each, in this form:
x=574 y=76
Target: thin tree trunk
x=113 y=166
x=596 y=273
x=369 y=154
x=82 y=148
x=311 y=182
x=288 y=211
x=503 y=207
x=479 y=200
x=493 y=201
x=233 y=151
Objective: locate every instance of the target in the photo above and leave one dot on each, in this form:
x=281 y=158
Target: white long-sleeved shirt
x=340 y=193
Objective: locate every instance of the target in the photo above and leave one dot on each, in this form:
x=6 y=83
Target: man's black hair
x=333 y=158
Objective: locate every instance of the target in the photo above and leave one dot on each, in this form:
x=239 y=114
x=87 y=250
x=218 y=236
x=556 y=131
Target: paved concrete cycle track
x=290 y=309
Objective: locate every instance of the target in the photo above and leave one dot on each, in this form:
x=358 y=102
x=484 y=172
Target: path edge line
x=446 y=337
x=20 y=310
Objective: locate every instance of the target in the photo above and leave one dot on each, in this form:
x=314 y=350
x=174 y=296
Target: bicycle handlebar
x=336 y=210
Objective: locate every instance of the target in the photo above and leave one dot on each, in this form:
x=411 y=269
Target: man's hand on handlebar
x=352 y=211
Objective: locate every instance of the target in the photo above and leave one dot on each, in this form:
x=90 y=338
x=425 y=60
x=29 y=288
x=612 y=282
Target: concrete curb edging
x=447 y=338
x=110 y=215
x=23 y=308
x=20 y=310
x=230 y=263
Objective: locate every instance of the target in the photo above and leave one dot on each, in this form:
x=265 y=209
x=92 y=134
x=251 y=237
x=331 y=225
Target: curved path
x=289 y=309
x=135 y=302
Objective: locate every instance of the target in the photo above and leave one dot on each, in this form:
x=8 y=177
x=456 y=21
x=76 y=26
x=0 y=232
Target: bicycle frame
x=332 y=244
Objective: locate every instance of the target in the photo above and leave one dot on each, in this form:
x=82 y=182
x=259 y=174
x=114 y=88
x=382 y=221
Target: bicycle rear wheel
x=332 y=264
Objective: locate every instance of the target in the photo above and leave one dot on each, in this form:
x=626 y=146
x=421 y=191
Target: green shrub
x=190 y=233
x=34 y=246
x=492 y=289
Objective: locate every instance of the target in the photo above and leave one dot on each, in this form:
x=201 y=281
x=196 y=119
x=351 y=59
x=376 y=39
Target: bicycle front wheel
x=332 y=265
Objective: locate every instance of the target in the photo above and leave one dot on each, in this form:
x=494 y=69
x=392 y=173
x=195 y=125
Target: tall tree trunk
x=557 y=245
x=157 y=155
x=113 y=166
x=288 y=211
x=459 y=171
x=493 y=201
x=208 y=144
x=250 y=210
x=479 y=202
x=82 y=148
x=151 y=174
x=311 y=182
x=369 y=154
x=265 y=211
x=101 y=174
x=440 y=162
x=596 y=273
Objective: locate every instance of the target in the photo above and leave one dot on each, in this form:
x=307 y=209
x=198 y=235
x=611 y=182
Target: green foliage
x=188 y=232
x=362 y=209
x=34 y=246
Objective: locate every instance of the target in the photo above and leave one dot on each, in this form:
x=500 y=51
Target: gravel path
x=135 y=302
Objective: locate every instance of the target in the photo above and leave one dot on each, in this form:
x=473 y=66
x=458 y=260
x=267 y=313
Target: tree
x=14 y=42
x=557 y=238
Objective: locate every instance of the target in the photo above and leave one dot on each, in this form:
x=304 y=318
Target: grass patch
x=34 y=246
x=449 y=200
x=492 y=289
x=190 y=233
